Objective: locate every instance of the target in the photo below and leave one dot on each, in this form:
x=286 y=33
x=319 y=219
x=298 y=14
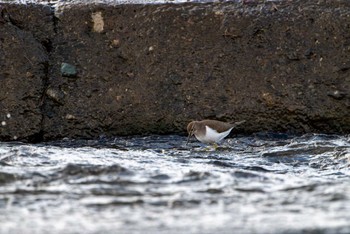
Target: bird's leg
x=211 y=147
x=188 y=139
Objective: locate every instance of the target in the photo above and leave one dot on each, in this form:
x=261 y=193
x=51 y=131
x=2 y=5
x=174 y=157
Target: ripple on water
x=265 y=183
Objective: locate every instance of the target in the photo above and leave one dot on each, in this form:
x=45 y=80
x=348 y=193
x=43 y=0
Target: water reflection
x=265 y=183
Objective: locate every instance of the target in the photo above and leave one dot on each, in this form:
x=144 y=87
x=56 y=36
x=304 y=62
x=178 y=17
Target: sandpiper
x=210 y=131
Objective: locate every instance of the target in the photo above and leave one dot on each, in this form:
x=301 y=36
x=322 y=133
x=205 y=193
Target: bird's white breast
x=212 y=136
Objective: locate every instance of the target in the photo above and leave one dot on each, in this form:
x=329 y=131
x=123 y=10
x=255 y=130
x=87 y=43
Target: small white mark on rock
x=97 y=19
x=219 y=13
x=116 y=42
x=3 y=123
x=151 y=48
x=15 y=137
x=337 y=94
x=8 y=115
x=70 y=117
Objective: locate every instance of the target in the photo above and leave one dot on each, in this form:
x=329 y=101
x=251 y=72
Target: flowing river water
x=263 y=183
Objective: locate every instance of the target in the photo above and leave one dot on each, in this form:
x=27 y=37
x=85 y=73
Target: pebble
x=55 y=95
x=68 y=70
x=337 y=94
x=70 y=117
x=97 y=19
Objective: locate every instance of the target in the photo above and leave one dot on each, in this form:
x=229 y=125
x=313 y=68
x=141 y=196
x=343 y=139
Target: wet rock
x=6 y=178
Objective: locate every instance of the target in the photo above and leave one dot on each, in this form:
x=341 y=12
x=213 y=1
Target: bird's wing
x=214 y=136
x=218 y=125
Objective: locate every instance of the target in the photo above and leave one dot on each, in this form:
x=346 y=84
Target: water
x=264 y=183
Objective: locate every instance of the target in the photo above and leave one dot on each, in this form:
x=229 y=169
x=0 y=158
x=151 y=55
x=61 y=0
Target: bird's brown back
x=218 y=125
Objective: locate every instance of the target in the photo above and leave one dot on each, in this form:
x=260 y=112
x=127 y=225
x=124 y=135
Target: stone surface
x=25 y=33
x=142 y=69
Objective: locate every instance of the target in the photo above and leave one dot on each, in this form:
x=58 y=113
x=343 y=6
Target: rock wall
x=25 y=35
x=98 y=69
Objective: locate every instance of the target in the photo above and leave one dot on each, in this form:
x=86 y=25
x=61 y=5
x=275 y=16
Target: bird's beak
x=189 y=136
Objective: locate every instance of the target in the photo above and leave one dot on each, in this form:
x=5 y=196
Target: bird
x=210 y=131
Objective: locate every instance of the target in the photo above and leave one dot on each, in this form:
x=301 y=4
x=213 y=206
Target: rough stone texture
x=282 y=67
x=144 y=69
x=25 y=33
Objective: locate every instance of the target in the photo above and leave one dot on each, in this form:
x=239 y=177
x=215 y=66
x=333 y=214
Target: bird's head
x=191 y=130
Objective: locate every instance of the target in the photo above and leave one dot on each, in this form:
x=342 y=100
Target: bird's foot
x=212 y=147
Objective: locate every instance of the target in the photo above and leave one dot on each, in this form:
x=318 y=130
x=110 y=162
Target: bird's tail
x=238 y=123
